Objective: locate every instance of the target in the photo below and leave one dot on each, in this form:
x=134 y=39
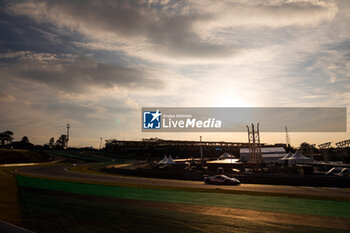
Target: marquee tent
x=298 y=158
x=170 y=160
x=287 y=156
x=164 y=160
x=227 y=156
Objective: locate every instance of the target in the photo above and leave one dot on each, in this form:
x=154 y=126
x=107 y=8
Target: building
x=269 y=154
x=177 y=148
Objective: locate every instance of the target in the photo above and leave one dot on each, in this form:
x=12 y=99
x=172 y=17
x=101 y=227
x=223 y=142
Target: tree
x=25 y=140
x=306 y=148
x=291 y=149
x=62 y=141
x=52 y=142
x=23 y=144
x=6 y=137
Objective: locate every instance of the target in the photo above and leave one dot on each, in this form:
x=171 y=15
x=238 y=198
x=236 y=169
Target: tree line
x=6 y=140
x=61 y=142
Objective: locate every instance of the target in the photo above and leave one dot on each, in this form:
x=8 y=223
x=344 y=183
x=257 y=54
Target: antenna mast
x=201 y=148
x=287 y=138
x=68 y=127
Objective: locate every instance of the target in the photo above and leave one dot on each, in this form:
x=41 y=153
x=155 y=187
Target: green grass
x=55 y=212
x=92 y=168
x=81 y=155
x=240 y=201
x=86 y=168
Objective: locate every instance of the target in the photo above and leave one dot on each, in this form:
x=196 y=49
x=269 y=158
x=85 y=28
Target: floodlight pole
x=68 y=127
x=201 y=147
x=287 y=138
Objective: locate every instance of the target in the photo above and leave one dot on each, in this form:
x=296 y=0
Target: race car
x=221 y=179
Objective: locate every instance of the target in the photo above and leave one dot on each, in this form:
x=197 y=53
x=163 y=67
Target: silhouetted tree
x=306 y=148
x=23 y=144
x=52 y=142
x=289 y=148
x=6 y=137
x=25 y=140
x=62 y=141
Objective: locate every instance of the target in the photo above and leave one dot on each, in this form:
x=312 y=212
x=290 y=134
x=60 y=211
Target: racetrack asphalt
x=62 y=172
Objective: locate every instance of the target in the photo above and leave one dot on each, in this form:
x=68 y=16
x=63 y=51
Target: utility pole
x=201 y=147
x=100 y=143
x=287 y=138
x=68 y=127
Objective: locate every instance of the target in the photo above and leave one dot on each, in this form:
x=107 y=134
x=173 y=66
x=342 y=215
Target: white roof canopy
x=164 y=160
x=287 y=156
x=227 y=156
x=170 y=160
x=298 y=156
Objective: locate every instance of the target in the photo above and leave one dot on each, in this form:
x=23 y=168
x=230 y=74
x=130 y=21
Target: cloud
x=172 y=31
x=40 y=113
x=154 y=28
x=28 y=55
x=77 y=73
x=6 y=98
x=270 y=13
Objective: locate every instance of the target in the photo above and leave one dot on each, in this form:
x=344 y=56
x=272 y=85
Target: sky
x=95 y=64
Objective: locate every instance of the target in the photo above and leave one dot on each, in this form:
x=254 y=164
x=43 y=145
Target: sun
x=229 y=100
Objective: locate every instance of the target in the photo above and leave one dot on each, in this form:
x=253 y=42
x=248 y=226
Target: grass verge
x=8 y=156
x=86 y=168
x=10 y=210
x=80 y=155
x=91 y=169
x=55 y=211
x=240 y=201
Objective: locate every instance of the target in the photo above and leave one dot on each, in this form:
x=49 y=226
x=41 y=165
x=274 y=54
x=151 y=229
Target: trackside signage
x=172 y=119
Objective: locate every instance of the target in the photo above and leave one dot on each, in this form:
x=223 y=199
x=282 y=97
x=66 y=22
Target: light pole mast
x=201 y=148
x=287 y=138
x=68 y=127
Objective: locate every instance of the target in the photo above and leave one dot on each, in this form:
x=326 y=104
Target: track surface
x=61 y=171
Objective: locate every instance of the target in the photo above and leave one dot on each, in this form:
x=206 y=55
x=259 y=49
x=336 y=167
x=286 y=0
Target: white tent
x=287 y=156
x=227 y=156
x=298 y=158
x=170 y=160
x=221 y=161
x=164 y=160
